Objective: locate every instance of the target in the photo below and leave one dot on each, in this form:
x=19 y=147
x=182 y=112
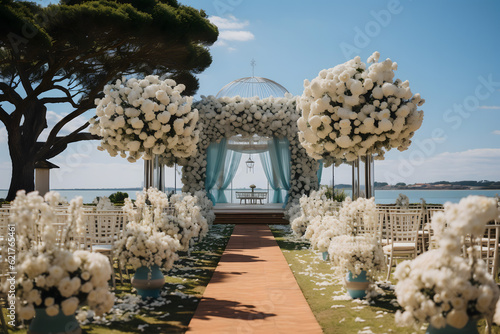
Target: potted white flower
x=53 y=277
x=356 y=249
x=441 y=287
x=144 y=246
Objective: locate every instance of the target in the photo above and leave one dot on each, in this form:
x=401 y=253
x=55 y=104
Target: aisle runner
x=253 y=290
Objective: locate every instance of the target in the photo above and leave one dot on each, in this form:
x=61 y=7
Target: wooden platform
x=249 y=214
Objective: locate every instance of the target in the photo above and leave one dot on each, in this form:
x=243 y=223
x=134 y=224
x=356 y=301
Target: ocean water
x=381 y=196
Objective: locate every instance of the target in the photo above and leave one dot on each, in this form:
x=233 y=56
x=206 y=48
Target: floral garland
x=226 y=117
x=442 y=287
x=145 y=117
x=53 y=274
x=351 y=110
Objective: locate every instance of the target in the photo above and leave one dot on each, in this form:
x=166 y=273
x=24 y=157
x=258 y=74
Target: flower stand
x=357 y=286
x=470 y=328
x=148 y=281
x=59 y=324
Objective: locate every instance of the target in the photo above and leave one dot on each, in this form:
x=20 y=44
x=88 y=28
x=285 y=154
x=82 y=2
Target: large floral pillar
x=354 y=113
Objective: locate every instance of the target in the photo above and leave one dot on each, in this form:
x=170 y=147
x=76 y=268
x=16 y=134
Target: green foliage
x=118 y=197
x=337 y=195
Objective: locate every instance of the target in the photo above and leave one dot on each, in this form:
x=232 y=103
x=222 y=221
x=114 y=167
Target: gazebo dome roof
x=252 y=87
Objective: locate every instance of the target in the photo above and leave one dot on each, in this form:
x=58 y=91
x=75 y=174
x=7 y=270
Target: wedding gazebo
x=251 y=115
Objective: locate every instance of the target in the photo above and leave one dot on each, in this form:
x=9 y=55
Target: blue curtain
x=272 y=178
x=216 y=156
x=320 y=171
x=279 y=151
x=231 y=165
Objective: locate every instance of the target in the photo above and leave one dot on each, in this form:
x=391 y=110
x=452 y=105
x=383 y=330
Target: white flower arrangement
x=206 y=207
x=351 y=110
x=144 y=118
x=190 y=224
x=143 y=245
x=357 y=253
x=142 y=242
x=321 y=230
x=353 y=243
x=403 y=201
x=316 y=204
x=440 y=286
x=268 y=117
x=103 y=203
x=52 y=274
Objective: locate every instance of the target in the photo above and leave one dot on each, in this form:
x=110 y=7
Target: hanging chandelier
x=250 y=164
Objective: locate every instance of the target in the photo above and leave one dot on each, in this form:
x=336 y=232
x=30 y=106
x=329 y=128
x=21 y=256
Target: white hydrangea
x=351 y=110
x=146 y=117
x=441 y=286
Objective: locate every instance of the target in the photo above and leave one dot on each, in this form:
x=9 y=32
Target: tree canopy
x=66 y=53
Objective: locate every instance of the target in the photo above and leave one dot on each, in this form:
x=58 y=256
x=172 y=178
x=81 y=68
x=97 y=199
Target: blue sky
x=448 y=50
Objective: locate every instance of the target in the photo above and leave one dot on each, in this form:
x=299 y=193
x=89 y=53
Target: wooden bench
x=252 y=196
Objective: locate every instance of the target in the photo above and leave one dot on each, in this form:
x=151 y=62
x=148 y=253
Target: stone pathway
x=253 y=290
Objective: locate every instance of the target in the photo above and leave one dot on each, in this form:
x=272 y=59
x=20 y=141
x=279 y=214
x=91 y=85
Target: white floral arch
x=270 y=117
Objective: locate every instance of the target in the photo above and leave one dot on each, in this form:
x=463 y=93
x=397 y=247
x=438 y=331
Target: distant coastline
x=441 y=185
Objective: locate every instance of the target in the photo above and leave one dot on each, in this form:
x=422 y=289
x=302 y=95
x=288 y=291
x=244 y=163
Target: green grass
x=319 y=284
x=183 y=289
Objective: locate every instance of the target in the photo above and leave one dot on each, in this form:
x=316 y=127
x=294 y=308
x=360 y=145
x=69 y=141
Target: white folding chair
x=103 y=231
x=485 y=247
x=403 y=235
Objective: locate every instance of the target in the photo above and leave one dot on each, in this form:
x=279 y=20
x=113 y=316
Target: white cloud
x=230 y=22
x=489 y=107
x=236 y=35
x=231 y=29
x=496 y=132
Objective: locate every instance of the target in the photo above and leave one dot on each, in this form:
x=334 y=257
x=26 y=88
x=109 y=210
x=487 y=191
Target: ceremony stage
x=231 y=213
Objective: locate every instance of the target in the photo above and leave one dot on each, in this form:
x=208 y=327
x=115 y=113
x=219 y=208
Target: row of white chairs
x=405 y=233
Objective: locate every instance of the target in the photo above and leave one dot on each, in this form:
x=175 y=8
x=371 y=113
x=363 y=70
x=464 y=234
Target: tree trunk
x=23 y=174
x=22 y=140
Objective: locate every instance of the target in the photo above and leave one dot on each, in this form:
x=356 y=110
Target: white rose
x=52 y=310
x=27 y=312
x=70 y=305
x=457 y=318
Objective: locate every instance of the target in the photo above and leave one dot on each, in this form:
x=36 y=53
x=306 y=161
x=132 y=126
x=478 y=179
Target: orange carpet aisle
x=253 y=290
